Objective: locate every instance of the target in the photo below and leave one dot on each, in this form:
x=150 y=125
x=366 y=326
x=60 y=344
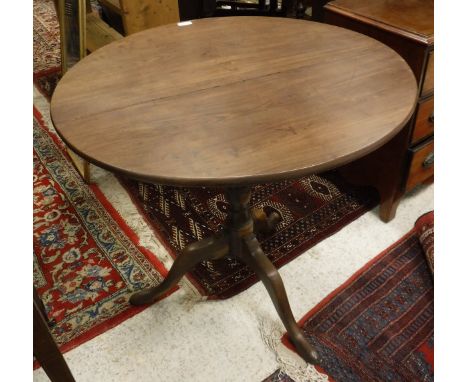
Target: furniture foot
x=254 y=257
x=207 y=249
x=388 y=207
x=265 y=223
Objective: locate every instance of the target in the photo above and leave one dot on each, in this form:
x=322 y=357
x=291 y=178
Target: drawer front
x=424 y=121
x=428 y=82
x=422 y=164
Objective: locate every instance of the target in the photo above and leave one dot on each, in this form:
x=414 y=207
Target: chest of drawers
x=407 y=27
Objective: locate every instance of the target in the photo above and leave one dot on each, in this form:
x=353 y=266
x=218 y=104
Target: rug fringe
x=288 y=362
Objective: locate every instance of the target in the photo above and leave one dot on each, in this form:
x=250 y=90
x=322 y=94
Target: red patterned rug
x=87 y=261
x=46 y=47
x=379 y=325
x=311 y=209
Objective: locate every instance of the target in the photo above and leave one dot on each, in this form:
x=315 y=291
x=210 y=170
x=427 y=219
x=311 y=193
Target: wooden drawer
x=421 y=165
x=424 y=121
x=428 y=82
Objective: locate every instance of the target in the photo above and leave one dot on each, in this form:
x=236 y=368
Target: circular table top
x=233 y=101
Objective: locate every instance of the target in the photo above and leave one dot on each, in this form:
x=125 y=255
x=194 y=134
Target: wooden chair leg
x=46 y=350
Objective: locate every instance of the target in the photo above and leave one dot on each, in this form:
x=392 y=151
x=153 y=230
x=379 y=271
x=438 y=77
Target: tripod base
x=238 y=240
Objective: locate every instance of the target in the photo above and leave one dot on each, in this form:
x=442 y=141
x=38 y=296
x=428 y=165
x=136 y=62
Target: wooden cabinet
x=408 y=28
x=421 y=165
x=428 y=81
x=137 y=15
x=424 y=120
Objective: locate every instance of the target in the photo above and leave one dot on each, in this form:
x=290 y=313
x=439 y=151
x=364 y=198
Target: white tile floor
x=222 y=340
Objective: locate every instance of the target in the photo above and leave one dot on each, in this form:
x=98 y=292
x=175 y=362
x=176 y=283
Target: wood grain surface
x=422 y=167
x=138 y=15
x=412 y=18
x=428 y=82
x=233 y=101
x=424 y=120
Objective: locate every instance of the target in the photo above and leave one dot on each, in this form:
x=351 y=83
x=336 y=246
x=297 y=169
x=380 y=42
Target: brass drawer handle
x=429 y=161
x=431 y=118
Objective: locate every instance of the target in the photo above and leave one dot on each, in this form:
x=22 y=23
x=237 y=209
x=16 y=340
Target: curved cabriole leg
x=254 y=257
x=206 y=249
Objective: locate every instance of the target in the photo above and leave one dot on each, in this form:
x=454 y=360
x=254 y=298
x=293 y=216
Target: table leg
x=206 y=249
x=256 y=259
x=238 y=240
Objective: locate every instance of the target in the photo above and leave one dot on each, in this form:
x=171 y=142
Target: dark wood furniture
x=196 y=9
x=232 y=102
x=45 y=349
x=408 y=28
x=317 y=9
x=137 y=15
x=250 y=8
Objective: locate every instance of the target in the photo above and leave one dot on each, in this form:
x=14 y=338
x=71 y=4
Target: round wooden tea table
x=233 y=102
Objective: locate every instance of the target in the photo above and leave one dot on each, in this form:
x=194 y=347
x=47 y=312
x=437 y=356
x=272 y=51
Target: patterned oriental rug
x=46 y=47
x=379 y=325
x=87 y=261
x=311 y=209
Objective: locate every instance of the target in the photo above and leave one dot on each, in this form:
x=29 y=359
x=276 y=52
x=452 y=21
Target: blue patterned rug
x=379 y=325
